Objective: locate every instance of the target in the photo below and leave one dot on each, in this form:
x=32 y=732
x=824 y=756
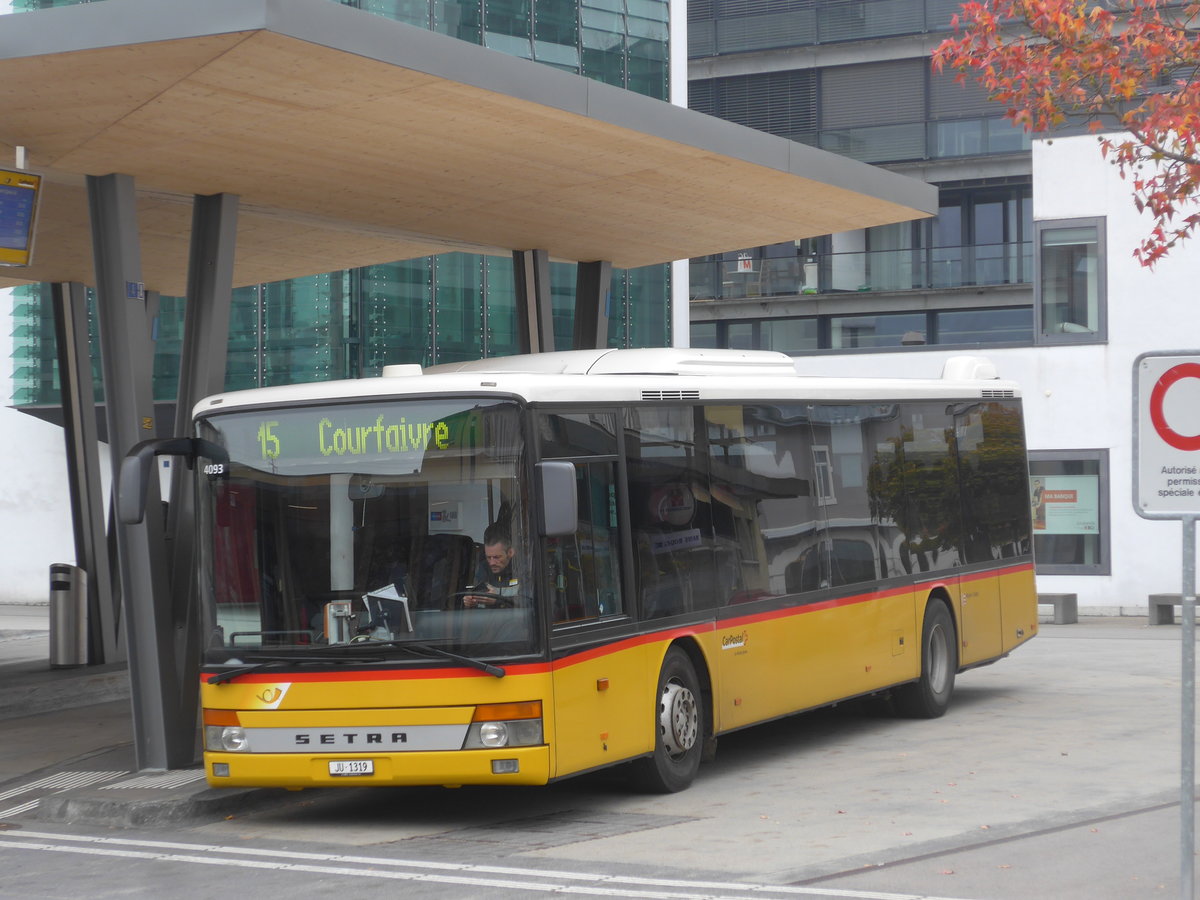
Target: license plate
x=351 y=767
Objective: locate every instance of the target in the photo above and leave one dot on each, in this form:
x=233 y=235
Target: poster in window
x=1066 y=504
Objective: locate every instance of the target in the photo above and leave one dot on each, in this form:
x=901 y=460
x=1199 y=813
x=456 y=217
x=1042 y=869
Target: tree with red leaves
x=1129 y=68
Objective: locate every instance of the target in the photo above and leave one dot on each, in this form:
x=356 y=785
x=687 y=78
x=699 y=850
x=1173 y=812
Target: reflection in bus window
x=671 y=509
x=584 y=567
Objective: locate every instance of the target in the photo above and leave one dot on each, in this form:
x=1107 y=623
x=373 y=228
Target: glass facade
x=456 y=306
x=433 y=309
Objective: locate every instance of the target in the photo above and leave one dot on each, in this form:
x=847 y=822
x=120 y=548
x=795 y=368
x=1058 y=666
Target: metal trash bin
x=68 y=616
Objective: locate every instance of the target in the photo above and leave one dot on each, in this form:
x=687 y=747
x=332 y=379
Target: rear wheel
x=929 y=697
x=679 y=728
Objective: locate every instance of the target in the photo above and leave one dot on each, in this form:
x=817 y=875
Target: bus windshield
x=361 y=529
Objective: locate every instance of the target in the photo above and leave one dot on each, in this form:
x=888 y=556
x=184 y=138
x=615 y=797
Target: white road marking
x=545 y=881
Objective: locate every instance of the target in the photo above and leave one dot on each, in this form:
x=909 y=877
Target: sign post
x=1166 y=465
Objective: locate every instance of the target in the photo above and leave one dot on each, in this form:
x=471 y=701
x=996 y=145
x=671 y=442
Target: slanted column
x=593 y=303
x=535 y=313
x=126 y=352
x=83 y=471
x=201 y=373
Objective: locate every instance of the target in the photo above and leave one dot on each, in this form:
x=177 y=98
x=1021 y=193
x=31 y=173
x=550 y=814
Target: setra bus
x=687 y=542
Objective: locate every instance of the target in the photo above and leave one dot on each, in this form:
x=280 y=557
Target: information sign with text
x=1167 y=435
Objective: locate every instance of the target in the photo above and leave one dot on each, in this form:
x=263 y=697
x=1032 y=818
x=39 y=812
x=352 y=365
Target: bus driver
x=500 y=586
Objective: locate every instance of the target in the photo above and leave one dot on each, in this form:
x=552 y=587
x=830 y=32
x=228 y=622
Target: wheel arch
x=941 y=595
x=689 y=645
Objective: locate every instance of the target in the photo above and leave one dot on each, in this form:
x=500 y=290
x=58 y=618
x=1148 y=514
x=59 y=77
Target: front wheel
x=929 y=697
x=679 y=729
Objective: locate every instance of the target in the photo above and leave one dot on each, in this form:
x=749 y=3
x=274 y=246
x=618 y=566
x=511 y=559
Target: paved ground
x=1055 y=775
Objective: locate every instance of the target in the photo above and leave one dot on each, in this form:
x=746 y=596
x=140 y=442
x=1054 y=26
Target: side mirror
x=559 y=503
x=134 y=476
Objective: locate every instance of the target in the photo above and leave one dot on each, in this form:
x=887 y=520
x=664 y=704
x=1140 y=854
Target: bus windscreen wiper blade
x=434 y=650
x=259 y=662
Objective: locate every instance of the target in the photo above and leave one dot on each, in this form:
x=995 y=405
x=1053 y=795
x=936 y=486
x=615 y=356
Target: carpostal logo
x=733 y=641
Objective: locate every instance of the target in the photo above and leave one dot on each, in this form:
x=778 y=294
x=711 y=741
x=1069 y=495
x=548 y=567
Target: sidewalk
x=68 y=754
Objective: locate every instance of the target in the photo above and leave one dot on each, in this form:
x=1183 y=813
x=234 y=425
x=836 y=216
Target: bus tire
x=929 y=696
x=679 y=728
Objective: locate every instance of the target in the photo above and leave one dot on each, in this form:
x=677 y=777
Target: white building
x=1079 y=393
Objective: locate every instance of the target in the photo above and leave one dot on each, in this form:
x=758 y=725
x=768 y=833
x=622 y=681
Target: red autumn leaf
x=1129 y=74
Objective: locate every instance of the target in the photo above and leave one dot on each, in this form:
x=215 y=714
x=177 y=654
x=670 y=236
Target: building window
x=1069 y=496
x=1069 y=282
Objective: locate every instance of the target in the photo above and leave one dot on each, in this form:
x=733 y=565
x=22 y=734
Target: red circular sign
x=1159 y=393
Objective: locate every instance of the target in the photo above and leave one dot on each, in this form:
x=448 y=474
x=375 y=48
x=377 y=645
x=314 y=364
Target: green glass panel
x=502 y=337
x=615 y=6
x=397 y=314
x=556 y=22
x=459 y=19
x=649 y=306
x=168 y=346
x=458 y=317
x=607 y=66
x=648 y=67
x=242 y=350
x=511 y=17
x=302 y=321
x=562 y=303
x=412 y=12
x=607 y=28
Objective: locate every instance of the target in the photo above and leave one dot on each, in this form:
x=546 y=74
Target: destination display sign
x=351 y=437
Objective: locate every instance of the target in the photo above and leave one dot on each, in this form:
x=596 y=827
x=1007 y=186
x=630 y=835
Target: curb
x=144 y=807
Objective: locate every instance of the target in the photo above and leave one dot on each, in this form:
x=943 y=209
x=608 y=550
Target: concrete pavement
x=67 y=753
x=1072 y=782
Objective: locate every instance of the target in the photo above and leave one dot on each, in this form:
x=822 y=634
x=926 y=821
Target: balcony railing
x=875 y=270
x=733 y=27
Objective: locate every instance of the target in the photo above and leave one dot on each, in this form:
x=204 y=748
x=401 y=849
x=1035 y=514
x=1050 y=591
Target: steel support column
x=160 y=739
x=105 y=641
x=593 y=301
x=201 y=372
x=535 y=313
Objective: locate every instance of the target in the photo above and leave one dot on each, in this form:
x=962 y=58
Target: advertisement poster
x=1065 y=504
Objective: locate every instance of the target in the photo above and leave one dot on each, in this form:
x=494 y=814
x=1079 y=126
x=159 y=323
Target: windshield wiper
x=433 y=650
x=260 y=662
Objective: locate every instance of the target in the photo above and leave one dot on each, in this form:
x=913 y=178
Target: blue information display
x=18 y=209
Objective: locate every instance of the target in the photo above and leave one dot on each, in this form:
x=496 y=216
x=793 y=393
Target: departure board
x=18 y=212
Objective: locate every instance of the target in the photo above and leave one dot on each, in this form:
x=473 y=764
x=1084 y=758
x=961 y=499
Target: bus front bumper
x=508 y=765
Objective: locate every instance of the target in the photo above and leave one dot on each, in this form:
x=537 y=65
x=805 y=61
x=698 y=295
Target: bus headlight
x=493 y=734
x=505 y=725
x=230 y=738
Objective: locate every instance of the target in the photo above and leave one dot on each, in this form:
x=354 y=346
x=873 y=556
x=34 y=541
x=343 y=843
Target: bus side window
x=585 y=567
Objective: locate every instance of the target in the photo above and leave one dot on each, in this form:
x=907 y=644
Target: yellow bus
x=515 y=570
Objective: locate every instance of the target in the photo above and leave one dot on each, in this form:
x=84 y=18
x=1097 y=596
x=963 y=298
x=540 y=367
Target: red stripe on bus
x=623 y=644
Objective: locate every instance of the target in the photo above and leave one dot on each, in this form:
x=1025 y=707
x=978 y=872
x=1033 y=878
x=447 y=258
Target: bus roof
x=638 y=375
